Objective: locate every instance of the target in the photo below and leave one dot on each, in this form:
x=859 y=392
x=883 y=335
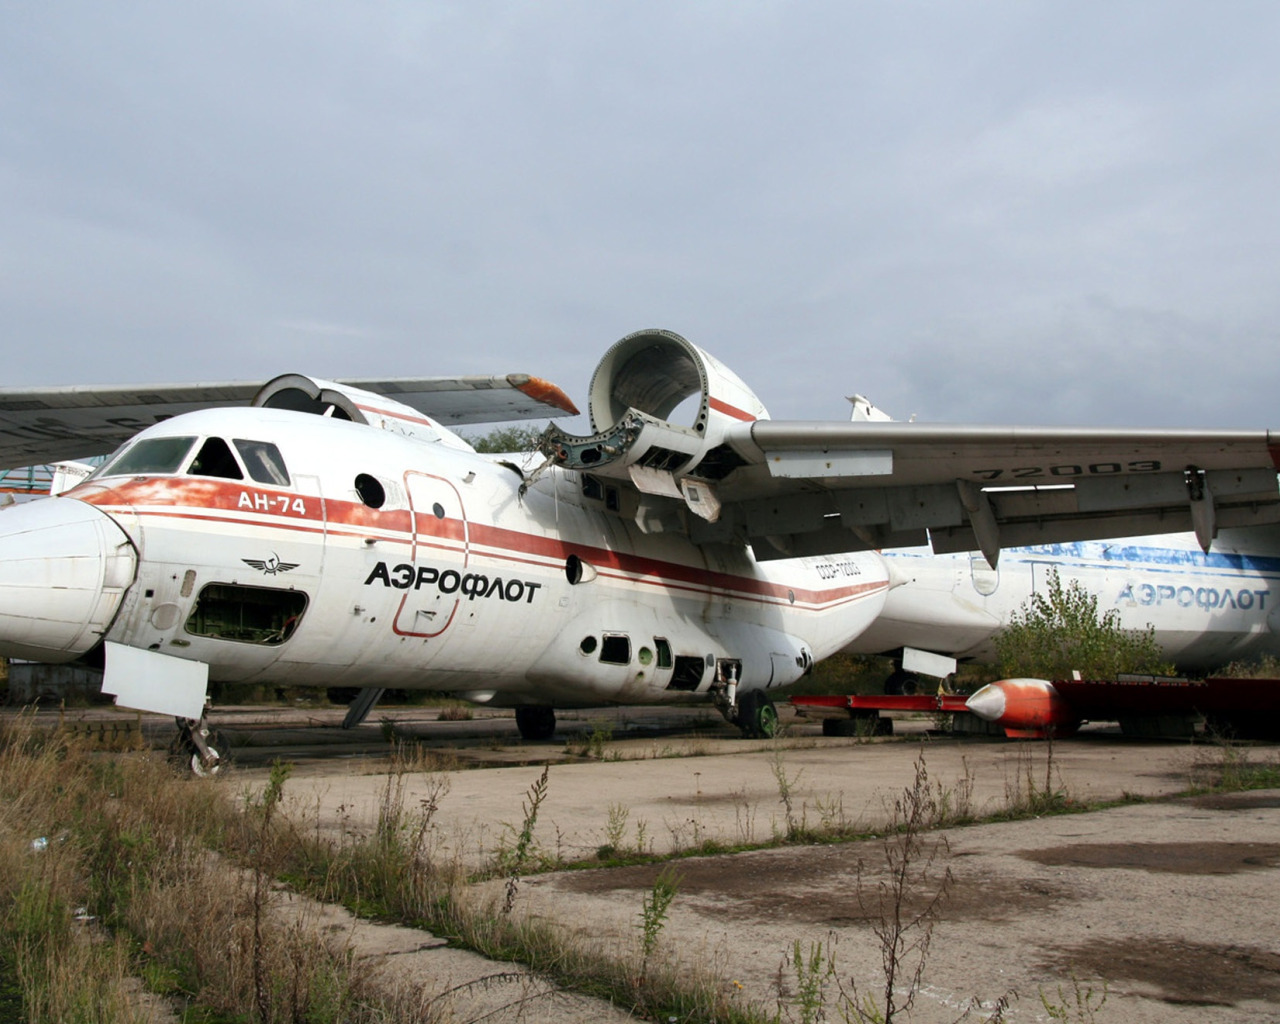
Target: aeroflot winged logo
x=272 y=566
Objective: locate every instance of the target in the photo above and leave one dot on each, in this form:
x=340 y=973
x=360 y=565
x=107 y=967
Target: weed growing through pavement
x=813 y=974
x=653 y=911
x=906 y=900
x=955 y=803
x=1081 y=1006
x=1226 y=765
x=518 y=855
x=744 y=813
x=614 y=830
x=644 y=845
x=1026 y=796
x=593 y=744
x=786 y=791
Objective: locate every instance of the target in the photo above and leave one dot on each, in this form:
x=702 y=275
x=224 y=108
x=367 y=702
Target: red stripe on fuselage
x=396 y=415
x=167 y=498
x=730 y=410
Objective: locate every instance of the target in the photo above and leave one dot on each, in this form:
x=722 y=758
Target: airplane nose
x=64 y=569
x=988 y=703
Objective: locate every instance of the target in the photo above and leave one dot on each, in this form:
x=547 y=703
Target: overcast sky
x=1059 y=213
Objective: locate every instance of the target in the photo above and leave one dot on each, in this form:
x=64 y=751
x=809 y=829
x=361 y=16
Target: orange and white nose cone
x=64 y=569
x=1022 y=704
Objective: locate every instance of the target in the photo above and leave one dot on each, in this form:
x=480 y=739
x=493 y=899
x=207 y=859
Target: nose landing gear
x=191 y=746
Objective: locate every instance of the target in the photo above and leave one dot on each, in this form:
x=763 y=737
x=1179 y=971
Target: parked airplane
x=1207 y=608
x=339 y=534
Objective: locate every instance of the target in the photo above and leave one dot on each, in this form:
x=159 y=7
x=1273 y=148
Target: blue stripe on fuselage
x=1143 y=555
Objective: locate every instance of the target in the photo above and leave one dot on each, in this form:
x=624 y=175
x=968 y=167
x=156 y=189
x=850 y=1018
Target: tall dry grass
x=116 y=875
x=397 y=870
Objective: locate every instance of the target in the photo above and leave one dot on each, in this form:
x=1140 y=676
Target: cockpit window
x=215 y=459
x=263 y=461
x=154 y=455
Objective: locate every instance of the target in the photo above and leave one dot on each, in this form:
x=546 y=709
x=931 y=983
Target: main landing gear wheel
x=757 y=717
x=902 y=682
x=536 y=723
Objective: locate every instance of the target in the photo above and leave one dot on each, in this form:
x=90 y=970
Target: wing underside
x=808 y=488
x=49 y=424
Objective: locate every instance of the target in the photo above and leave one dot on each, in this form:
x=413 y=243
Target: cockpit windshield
x=213 y=457
x=152 y=455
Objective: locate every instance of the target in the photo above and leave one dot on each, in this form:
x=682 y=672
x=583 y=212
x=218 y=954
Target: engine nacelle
x=344 y=402
x=640 y=382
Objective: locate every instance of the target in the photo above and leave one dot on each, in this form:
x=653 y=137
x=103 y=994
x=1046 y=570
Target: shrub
x=1060 y=631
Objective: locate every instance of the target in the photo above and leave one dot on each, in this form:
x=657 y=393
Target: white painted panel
x=149 y=681
x=805 y=463
x=937 y=665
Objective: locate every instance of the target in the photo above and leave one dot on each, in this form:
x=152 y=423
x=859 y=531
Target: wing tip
x=543 y=391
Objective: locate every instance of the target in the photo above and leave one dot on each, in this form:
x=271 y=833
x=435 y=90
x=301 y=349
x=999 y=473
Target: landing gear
x=757 y=717
x=361 y=704
x=536 y=723
x=902 y=682
x=191 y=747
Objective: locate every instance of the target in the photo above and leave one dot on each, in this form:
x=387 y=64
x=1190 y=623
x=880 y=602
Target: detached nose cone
x=64 y=569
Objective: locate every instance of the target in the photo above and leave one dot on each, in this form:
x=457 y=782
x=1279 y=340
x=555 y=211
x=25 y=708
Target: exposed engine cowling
x=639 y=383
x=343 y=402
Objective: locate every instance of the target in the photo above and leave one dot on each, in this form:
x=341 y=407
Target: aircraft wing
x=809 y=488
x=815 y=488
x=41 y=425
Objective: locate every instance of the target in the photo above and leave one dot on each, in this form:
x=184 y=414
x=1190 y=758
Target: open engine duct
x=639 y=384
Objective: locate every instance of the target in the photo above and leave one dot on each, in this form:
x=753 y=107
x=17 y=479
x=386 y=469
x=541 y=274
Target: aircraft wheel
x=766 y=718
x=902 y=682
x=536 y=723
x=198 y=767
x=757 y=717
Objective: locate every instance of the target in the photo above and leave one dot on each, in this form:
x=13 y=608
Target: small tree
x=1059 y=631
x=501 y=440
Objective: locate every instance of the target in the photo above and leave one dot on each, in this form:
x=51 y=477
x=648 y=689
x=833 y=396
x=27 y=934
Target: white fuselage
x=1207 y=608
x=459 y=581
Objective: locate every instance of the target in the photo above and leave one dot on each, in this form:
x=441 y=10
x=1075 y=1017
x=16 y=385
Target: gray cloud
x=996 y=212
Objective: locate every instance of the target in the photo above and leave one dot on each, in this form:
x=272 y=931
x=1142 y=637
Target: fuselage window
x=247 y=615
x=215 y=459
x=615 y=649
x=664 y=651
x=154 y=455
x=371 y=492
x=263 y=461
